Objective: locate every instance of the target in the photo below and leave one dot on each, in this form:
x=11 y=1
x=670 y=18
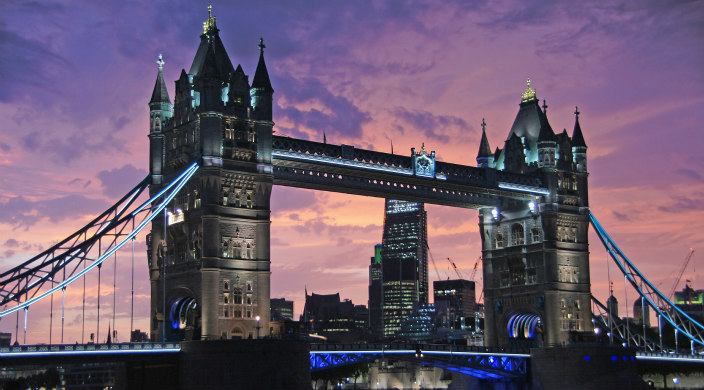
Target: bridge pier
x=224 y=364
x=585 y=367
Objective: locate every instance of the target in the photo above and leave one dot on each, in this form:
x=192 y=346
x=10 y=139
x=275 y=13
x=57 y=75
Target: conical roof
x=577 y=137
x=546 y=132
x=261 y=75
x=527 y=126
x=210 y=40
x=160 y=94
x=484 y=148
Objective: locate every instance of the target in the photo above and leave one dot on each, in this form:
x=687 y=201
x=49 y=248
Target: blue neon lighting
x=611 y=246
x=522 y=188
x=181 y=180
x=340 y=162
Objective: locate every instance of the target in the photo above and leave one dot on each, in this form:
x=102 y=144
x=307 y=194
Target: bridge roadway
x=344 y=168
x=476 y=361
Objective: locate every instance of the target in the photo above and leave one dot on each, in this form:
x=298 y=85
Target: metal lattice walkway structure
x=344 y=168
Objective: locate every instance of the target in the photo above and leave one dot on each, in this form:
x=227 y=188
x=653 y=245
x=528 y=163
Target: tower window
x=517 y=234
x=226 y=285
x=536 y=235
x=499 y=241
x=237 y=297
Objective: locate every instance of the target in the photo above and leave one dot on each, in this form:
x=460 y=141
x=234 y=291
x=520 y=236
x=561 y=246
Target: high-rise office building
x=281 y=309
x=455 y=303
x=404 y=262
x=376 y=290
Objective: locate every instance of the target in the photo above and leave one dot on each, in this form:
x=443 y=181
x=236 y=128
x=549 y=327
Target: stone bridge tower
x=536 y=256
x=209 y=255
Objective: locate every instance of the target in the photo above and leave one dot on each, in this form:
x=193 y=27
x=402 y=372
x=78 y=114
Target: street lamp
x=257 y=318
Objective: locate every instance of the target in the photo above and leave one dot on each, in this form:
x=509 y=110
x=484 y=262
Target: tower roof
x=577 y=137
x=210 y=40
x=547 y=134
x=527 y=125
x=160 y=94
x=484 y=148
x=261 y=75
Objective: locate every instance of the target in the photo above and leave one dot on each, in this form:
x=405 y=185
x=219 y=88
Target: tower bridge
x=214 y=159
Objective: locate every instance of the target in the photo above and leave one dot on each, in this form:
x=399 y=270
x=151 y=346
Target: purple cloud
x=116 y=182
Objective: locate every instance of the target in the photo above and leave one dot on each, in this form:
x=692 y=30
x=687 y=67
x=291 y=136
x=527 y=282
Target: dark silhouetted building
x=376 y=290
x=455 y=303
x=326 y=315
x=404 y=262
x=281 y=309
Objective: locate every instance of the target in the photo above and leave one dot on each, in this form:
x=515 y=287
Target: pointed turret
x=160 y=94
x=547 y=142
x=261 y=91
x=579 y=147
x=485 y=159
x=159 y=113
x=159 y=104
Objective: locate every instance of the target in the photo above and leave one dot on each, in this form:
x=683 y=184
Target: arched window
x=249 y=251
x=517 y=234
x=237 y=250
x=536 y=235
x=226 y=285
x=249 y=201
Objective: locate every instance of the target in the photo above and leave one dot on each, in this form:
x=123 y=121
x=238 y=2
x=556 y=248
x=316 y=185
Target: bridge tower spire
x=261 y=88
x=535 y=253
x=209 y=256
x=485 y=158
x=159 y=113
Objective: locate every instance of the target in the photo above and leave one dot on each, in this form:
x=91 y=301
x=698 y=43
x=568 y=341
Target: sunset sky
x=76 y=77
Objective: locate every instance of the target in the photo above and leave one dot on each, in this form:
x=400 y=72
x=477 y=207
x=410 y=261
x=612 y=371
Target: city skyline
x=367 y=75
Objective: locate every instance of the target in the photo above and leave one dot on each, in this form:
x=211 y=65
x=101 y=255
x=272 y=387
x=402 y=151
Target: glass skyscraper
x=404 y=262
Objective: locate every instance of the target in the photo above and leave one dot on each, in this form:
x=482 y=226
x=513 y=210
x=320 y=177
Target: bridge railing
x=87 y=348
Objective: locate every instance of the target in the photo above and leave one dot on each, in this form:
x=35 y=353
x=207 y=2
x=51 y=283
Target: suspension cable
x=114 y=296
x=628 y=327
x=26 y=312
x=83 y=327
x=63 y=306
x=51 y=315
x=132 y=292
x=611 y=294
x=97 y=332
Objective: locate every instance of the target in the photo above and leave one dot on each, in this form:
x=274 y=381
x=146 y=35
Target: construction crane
x=679 y=276
x=457 y=271
x=435 y=267
x=474 y=270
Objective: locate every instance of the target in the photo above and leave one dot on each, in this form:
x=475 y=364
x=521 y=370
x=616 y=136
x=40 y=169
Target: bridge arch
x=184 y=314
x=525 y=327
